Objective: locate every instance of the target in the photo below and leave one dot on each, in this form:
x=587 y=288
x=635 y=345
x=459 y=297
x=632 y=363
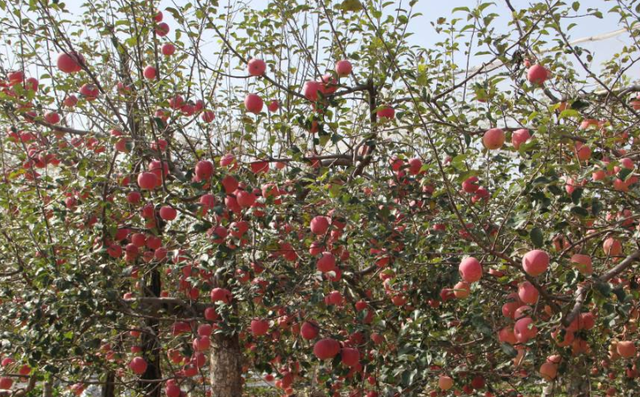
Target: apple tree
x=199 y=195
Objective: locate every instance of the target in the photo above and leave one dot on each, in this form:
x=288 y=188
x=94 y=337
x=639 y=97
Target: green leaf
x=508 y=349
x=580 y=211
x=537 y=238
x=576 y=195
x=351 y=5
x=596 y=206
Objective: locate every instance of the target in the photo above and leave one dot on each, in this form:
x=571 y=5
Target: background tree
x=198 y=195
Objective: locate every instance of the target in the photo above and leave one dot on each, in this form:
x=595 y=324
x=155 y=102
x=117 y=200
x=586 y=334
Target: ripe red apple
x=506 y=335
x=415 y=165
x=326 y=348
x=221 y=295
x=210 y=314
x=273 y=106
x=15 y=77
x=519 y=137
x=89 y=91
x=70 y=62
x=350 y=356
x=162 y=29
x=311 y=89
x=309 y=330
x=172 y=390
x=204 y=170
x=626 y=349
x=493 y=139
x=150 y=73
x=245 y=199
x=470 y=185
x=6 y=383
x=525 y=329
x=535 y=262
x=326 y=263
x=168 y=49
x=256 y=67
x=527 y=293
x=52 y=117
x=229 y=183
x=208 y=116
x=612 y=247
x=253 y=103
x=343 y=68
x=259 y=327
x=445 y=382
x=177 y=102
x=114 y=251
x=470 y=270
x=201 y=343
x=138 y=365
x=31 y=83
x=168 y=213
x=147 y=180
x=462 y=290
x=583 y=152
x=334 y=298
x=386 y=112
x=537 y=74
x=319 y=225
x=70 y=101
x=582 y=263
x=548 y=371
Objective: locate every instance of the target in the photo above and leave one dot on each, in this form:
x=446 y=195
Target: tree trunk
x=47 y=389
x=150 y=346
x=226 y=366
x=109 y=388
x=577 y=381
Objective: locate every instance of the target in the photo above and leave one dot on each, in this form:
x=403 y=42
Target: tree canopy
x=199 y=195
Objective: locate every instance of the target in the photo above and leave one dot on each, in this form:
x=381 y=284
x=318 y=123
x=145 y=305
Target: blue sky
x=425 y=35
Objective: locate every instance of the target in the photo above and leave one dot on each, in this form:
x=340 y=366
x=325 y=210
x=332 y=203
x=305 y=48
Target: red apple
x=519 y=137
x=259 y=327
x=343 y=68
x=168 y=213
x=309 y=330
x=150 y=73
x=253 y=103
x=470 y=270
x=493 y=139
x=537 y=74
x=527 y=293
x=70 y=62
x=535 y=262
x=138 y=365
x=147 y=181
x=256 y=67
x=168 y=49
x=326 y=348
x=319 y=225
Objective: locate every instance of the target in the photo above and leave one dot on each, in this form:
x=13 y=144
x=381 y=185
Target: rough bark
x=577 y=381
x=47 y=389
x=150 y=347
x=226 y=366
x=109 y=388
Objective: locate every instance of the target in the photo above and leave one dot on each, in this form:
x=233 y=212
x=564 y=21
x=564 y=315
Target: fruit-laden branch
x=581 y=293
x=157 y=303
x=489 y=249
x=327 y=160
x=496 y=64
